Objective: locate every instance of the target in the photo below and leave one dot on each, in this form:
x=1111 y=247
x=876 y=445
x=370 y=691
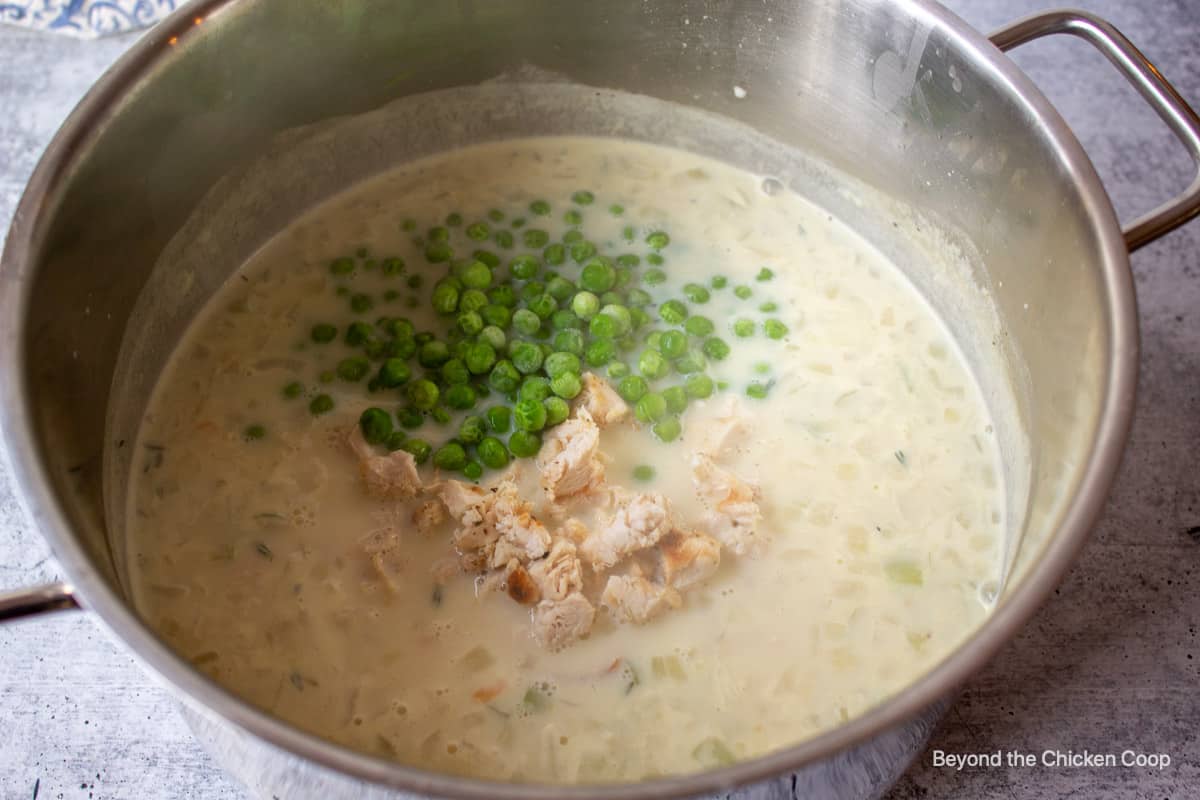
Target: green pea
x=603 y=327
x=560 y=362
x=535 y=238
x=564 y=319
x=764 y=274
x=361 y=303
x=524 y=444
x=476 y=275
x=410 y=417
x=585 y=304
x=328 y=376
x=479 y=357
x=610 y=298
x=677 y=399
x=353 y=369
x=655 y=259
x=569 y=341
x=253 y=433
x=539 y=207
x=492 y=452
x=618 y=370
x=653 y=277
x=433 y=354
x=392 y=373
x=450 y=457
x=401 y=328
x=392 y=266
x=638 y=298
x=524 y=267
x=479 y=231
x=423 y=394
x=768 y=307
x=502 y=295
x=472 y=471
x=743 y=292
x=376 y=425
x=499 y=418
x=658 y=240
x=531 y=290
x=600 y=352
x=494 y=336
x=699 y=325
x=440 y=415
x=526 y=322
x=293 y=390
x=529 y=415
x=438 y=252
x=639 y=318
x=775 y=329
x=672 y=344
x=743 y=327
x=472 y=430
x=652 y=364
x=616 y=209
x=534 y=387
x=651 y=408
x=460 y=396
x=629 y=260
x=555 y=254
x=504 y=377
x=627 y=233
x=696 y=293
x=557 y=410
x=445 y=298
x=691 y=361
x=487 y=257
x=581 y=251
x=496 y=215
x=716 y=348
x=321 y=404
x=583 y=197
x=438 y=233
x=632 y=388
x=496 y=316
x=572 y=236
x=414 y=281
x=470 y=323
x=419 y=448
x=559 y=288
x=323 y=333
x=504 y=239
x=699 y=386
x=620 y=314
x=668 y=429
x=566 y=385
x=526 y=357
x=573 y=217
x=390 y=295
x=395 y=441
x=758 y=390
x=342 y=266
x=472 y=300
x=719 y=282
x=598 y=276
x=672 y=312
x=543 y=305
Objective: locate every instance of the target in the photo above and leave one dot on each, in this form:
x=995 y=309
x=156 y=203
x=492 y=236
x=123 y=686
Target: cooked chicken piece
x=429 y=516
x=558 y=574
x=496 y=525
x=558 y=623
x=687 y=558
x=632 y=599
x=601 y=401
x=573 y=531
x=391 y=476
x=520 y=585
x=569 y=460
x=733 y=505
x=639 y=521
x=383 y=551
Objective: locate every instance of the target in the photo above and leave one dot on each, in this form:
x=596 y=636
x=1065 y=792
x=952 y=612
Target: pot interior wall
x=953 y=179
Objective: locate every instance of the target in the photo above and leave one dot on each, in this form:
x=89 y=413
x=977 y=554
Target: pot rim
x=90 y=117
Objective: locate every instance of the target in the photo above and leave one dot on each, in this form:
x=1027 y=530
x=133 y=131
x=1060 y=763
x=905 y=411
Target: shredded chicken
x=734 y=514
x=601 y=401
x=558 y=574
x=428 y=517
x=632 y=599
x=496 y=526
x=569 y=461
x=392 y=476
x=558 y=623
x=639 y=521
x=688 y=558
x=727 y=432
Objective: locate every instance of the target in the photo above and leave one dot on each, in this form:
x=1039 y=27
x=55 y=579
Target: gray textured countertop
x=1109 y=664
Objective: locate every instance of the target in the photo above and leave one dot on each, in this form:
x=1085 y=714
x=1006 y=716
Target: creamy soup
x=818 y=526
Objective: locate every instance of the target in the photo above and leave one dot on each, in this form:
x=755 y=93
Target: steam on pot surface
x=567 y=460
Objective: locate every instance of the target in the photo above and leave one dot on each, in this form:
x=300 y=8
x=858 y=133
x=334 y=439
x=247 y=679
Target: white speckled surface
x=1107 y=665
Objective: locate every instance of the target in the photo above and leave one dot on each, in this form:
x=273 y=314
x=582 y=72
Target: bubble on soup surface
x=771 y=186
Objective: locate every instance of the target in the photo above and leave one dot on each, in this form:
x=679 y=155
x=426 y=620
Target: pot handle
x=37 y=600
x=1148 y=81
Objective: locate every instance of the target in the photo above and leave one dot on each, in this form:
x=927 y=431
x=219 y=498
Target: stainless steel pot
x=900 y=97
